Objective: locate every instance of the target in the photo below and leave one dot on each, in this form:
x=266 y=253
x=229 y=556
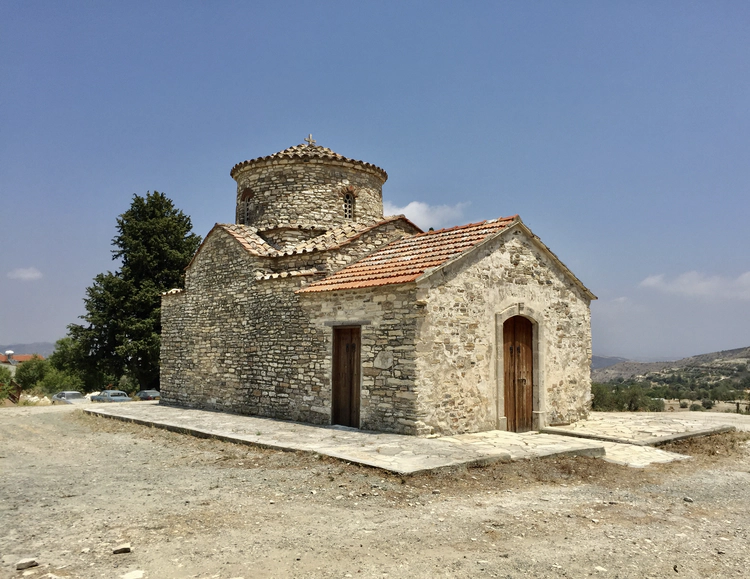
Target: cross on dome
x=309 y=140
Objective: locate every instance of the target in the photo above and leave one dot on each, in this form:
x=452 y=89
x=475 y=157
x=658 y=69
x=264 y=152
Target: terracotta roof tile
x=339 y=236
x=249 y=239
x=19 y=357
x=306 y=152
x=406 y=259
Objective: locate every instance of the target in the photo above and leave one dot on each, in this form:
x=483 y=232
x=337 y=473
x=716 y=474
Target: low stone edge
x=657 y=441
x=694 y=434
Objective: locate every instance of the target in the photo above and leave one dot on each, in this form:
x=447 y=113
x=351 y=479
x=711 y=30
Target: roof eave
x=270 y=160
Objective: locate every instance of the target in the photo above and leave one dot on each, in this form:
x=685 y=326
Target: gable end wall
x=457 y=352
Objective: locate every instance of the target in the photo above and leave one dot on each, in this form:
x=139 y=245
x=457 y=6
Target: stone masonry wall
x=232 y=343
x=457 y=345
x=388 y=350
x=235 y=343
x=288 y=192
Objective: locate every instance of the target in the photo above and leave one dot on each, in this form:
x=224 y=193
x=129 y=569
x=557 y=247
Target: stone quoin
x=315 y=307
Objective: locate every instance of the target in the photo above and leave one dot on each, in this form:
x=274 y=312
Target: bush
x=707 y=403
x=31 y=372
x=619 y=397
x=56 y=380
x=603 y=399
x=683 y=403
x=696 y=407
x=655 y=405
x=636 y=399
x=5 y=378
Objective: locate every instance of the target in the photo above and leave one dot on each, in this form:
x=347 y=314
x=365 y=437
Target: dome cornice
x=308 y=153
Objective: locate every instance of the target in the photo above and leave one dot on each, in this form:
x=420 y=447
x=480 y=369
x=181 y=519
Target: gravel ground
x=74 y=486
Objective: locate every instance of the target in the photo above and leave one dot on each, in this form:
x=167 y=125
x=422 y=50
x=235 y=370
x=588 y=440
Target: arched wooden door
x=519 y=368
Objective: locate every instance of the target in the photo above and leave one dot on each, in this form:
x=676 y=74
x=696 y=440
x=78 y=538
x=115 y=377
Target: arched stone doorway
x=518 y=373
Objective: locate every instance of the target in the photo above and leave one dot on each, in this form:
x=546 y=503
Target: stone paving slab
x=649 y=428
x=409 y=455
x=637 y=456
x=393 y=452
x=521 y=445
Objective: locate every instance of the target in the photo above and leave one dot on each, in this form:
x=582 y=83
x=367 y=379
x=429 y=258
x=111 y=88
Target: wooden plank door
x=345 y=379
x=519 y=379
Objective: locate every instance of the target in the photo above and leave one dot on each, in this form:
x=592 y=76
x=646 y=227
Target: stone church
x=313 y=306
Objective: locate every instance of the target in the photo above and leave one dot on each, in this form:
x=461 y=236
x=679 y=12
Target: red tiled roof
x=406 y=259
x=307 y=152
x=248 y=238
x=19 y=357
x=340 y=236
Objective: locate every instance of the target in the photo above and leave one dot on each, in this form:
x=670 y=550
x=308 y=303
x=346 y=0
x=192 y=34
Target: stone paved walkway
x=651 y=428
x=392 y=452
x=409 y=455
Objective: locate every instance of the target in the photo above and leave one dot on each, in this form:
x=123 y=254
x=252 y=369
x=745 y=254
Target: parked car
x=111 y=396
x=69 y=397
x=148 y=395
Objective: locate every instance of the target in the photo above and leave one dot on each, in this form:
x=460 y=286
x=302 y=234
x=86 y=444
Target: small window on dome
x=349 y=206
x=245 y=208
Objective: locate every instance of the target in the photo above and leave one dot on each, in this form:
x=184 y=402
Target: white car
x=69 y=397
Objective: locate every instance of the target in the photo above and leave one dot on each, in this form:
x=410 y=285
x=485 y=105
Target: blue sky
x=619 y=131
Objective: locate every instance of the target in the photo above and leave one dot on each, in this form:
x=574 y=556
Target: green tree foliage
x=42 y=377
x=5 y=375
x=623 y=397
x=121 y=334
x=70 y=358
x=31 y=372
x=5 y=378
x=56 y=380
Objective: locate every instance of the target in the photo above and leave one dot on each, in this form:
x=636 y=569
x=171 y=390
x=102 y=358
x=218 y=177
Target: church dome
x=306 y=190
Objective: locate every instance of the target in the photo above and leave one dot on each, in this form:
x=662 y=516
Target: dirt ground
x=73 y=487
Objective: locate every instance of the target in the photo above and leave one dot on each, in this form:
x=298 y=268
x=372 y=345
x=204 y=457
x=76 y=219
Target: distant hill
x=44 y=349
x=723 y=363
x=605 y=361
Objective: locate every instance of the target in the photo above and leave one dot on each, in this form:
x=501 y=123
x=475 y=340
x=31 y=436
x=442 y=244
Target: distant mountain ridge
x=44 y=349
x=603 y=368
x=605 y=361
x=628 y=368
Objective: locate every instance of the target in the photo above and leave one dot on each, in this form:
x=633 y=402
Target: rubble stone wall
x=232 y=343
x=292 y=192
x=459 y=340
x=235 y=343
x=388 y=319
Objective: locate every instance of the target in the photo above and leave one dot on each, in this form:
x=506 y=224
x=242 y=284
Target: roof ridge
x=408 y=258
x=457 y=227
